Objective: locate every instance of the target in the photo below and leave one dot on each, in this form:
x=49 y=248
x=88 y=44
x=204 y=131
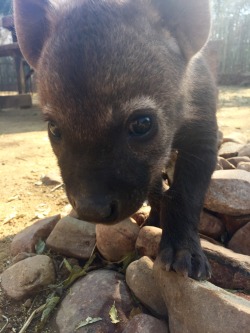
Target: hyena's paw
x=188 y=262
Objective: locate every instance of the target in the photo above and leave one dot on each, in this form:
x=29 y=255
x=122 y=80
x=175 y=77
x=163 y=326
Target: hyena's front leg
x=181 y=205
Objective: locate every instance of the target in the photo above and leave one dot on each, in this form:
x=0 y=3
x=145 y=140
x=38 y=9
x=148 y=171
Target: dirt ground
x=25 y=155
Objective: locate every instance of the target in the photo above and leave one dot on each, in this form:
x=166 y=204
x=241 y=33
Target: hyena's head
x=109 y=79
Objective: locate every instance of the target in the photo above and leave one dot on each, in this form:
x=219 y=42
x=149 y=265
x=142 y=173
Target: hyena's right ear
x=32 y=27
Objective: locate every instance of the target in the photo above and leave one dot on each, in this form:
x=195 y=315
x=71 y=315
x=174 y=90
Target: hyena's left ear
x=32 y=27
x=187 y=20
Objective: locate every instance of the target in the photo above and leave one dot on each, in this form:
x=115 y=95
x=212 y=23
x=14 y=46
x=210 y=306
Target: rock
x=93 y=296
x=230 y=149
x=73 y=238
x=141 y=215
x=219 y=138
x=240 y=241
x=21 y=256
x=225 y=164
x=144 y=323
x=211 y=225
x=218 y=166
x=244 y=166
x=140 y=279
x=236 y=160
x=27 y=239
x=200 y=307
x=68 y=210
x=51 y=179
x=229 y=192
x=245 y=151
x=236 y=137
x=234 y=223
x=148 y=241
x=28 y=277
x=229 y=270
x=118 y=240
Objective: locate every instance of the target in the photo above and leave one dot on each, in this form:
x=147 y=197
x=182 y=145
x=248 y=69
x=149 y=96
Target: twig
x=7 y=322
x=31 y=317
x=57 y=187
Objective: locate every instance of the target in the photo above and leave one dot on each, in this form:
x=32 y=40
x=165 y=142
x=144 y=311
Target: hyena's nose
x=96 y=210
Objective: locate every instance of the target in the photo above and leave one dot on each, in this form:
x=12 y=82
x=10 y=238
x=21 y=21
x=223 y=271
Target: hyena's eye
x=140 y=126
x=54 y=130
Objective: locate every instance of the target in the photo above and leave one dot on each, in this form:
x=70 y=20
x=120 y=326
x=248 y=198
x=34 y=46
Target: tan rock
x=73 y=238
x=240 y=241
x=140 y=279
x=144 y=323
x=225 y=164
x=244 y=166
x=245 y=151
x=236 y=137
x=234 y=223
x=236 y=160
x=200 y=307
x=229 y=192
x=117 y=241
x=26 y=240
x=28 y=277
x=148 y=241
x=141 y=215
x=211 y=225
x=230 y=149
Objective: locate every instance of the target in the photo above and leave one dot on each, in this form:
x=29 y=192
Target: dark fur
x=101 y=63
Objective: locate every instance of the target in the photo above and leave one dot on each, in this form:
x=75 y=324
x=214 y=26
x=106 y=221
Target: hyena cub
x=121 y=84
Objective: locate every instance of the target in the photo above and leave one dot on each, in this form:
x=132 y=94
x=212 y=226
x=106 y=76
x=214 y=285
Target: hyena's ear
x=32 y=27
x=188 y=21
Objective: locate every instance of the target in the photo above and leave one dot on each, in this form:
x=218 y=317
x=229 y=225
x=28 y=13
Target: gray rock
x=146 y=324
x=28 y=277
x=244 y=166
x=51 y=179
x=230 y=270
x=73 y=238
x=236 y=160
x=140 y=279
x=230 y=149
x=93 y=296
x=245 y=151
x=200 y=307
x=211 y=225
x=240 y=241
x=148 y=241
x=229 y=192
x=27 y=239
x=118 y=240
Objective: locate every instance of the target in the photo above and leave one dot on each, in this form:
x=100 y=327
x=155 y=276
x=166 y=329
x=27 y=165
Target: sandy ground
x=26 y=155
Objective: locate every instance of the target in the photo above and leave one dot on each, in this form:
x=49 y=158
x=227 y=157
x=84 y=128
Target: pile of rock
x=168 y=302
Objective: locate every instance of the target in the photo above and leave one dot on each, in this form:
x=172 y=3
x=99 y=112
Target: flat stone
x=236 y=160
x=73 y=238
x=144 y=323
x=117 y=241
x=140 y=279
x=28 y=277
x=197 y=307
x=93 y=296
x=229 y=192
x=240 y=241
x=211 y=225
x=26 y=240
x=245 y=151
x=148 y=241
x=244 y=166
x=230 y=270
x=230 y=149
x=225 y=164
